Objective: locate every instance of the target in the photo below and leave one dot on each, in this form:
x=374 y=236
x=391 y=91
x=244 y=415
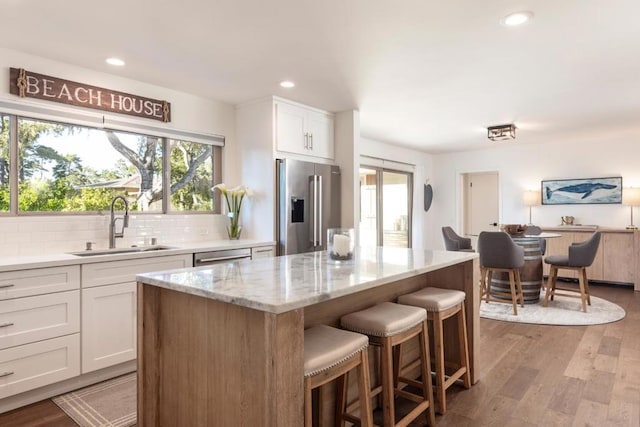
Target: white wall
x=47 y=234
x=522 y=166
x=423 y=171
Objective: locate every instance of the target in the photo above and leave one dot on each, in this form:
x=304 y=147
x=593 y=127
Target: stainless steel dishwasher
x=219 y=257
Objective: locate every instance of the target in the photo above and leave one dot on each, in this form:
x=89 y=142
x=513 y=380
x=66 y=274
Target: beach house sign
x=33 y=85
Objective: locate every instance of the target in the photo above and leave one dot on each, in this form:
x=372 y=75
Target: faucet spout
x=113 y=234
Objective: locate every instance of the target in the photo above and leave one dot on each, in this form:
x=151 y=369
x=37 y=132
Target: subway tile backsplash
x=24 y=236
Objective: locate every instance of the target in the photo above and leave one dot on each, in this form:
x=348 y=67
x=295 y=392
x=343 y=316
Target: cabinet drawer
x=264 y=252
x=37 y=281
x=25 y=320
x=30 y=366
x=111 y=272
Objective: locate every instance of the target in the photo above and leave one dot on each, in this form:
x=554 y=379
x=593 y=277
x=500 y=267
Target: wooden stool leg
x=463 y=345
x=308 y=411
x=397 y=363
x=512 y=286
x=427 y=388
x=364 y=387
x=438 y=342
x=386 y=360
x=342 y=385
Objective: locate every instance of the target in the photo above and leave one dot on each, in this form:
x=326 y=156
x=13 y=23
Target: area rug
x=560 y=311
x=110 y=403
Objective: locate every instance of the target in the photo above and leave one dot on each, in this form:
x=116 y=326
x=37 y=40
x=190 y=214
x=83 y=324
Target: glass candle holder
x=341 y=243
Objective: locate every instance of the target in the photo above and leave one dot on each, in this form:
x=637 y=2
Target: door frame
x=461 y=197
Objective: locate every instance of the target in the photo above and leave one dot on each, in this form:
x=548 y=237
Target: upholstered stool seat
x=388 y=325
x=329 y=354
x=442 y=304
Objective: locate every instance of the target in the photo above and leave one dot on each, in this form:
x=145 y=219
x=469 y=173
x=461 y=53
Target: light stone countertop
x=61 y=259
x=285 y=283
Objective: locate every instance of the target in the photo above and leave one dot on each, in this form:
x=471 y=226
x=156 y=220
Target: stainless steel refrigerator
x=308 y=204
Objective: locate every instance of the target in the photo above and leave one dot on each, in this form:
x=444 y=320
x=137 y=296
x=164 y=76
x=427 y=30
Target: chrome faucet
x=112 y=223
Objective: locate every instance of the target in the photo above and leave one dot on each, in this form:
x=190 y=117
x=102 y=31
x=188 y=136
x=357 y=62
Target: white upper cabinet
x=303 y=130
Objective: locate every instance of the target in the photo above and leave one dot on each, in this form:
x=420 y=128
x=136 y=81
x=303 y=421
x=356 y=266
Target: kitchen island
x=223 y=344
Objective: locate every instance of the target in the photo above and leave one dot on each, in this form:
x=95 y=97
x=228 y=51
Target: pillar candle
x=341 y=244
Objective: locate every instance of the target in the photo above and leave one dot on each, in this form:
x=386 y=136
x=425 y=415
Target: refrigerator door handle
x=319 y=210
x=315 y=210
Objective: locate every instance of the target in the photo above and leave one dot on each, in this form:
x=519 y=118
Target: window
x=71 y=168
x=4 y=163
x=385 y=207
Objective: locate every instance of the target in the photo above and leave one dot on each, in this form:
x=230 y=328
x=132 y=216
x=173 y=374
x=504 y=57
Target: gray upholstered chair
x=453 y=242
x=499 y=253
x=581 y=256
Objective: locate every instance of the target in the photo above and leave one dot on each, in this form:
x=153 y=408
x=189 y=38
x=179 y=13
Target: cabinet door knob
x=306 y=141
x=311 y=141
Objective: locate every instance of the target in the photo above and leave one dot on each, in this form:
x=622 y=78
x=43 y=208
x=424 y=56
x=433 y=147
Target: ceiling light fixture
x=516 y=18
x=115 y=61
x=501 y=132
x=287 y=84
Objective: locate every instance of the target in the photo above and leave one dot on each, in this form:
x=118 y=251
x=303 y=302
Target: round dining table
x=531 y=275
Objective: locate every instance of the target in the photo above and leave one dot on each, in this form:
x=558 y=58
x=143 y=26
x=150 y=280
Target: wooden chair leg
x=438 y=342
x=483 y=276
x=488 y=284
x=551 y=283
x=583 y=294
x=512 y=285
x=519 y=287
x=586 y=286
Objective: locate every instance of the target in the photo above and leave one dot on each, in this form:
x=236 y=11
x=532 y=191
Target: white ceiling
x=428 y=74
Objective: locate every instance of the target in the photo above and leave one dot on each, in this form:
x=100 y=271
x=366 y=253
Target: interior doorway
x=480 y=201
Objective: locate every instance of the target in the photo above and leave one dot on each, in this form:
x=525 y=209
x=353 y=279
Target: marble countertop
x=61 y=259
x=285 y=283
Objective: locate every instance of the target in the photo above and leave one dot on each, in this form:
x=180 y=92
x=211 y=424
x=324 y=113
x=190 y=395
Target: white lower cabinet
x=108 y=325
x=30 y=366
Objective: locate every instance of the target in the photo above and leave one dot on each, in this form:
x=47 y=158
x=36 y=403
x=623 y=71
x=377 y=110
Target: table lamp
x=631 y=197
x=531 y=198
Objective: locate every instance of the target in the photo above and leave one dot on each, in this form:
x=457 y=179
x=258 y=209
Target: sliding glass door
x=385 y=207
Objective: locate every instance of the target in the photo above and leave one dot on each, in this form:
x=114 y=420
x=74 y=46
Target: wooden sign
x=32 y=85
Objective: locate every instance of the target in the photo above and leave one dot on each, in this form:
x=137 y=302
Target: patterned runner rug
x=111 y=403
x=560 y=311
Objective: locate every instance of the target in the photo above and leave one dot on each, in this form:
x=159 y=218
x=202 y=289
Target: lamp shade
x=531 y=198
x=631 y=196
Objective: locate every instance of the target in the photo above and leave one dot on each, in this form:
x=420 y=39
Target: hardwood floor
x=531 y=375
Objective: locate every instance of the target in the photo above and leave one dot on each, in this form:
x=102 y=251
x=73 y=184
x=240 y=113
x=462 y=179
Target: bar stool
x=388 y=325
x=442 y=304
x=330 y=354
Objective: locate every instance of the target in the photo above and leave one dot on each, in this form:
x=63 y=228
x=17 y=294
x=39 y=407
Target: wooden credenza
x=617 y=259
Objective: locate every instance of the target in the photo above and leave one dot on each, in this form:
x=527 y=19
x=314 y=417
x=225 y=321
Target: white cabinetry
x=262 y=252
x=39 y=327
x=303 y=130
x=109 y=308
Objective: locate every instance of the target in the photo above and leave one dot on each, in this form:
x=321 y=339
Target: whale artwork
x=582 y=191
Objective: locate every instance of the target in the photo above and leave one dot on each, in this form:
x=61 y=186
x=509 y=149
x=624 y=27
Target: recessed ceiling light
x=288 y=84
x=115 y=61
x=517 y=18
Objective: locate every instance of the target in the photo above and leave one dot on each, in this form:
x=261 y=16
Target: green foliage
x=196 y=194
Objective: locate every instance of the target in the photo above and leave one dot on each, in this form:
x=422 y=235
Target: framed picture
x=582 y=191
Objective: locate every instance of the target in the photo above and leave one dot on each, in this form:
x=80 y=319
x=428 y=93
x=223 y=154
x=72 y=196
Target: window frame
x=164 y=137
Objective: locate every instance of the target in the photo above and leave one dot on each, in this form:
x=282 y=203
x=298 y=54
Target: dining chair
x=500 y=254
x=580 y=256
x=454 y=242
